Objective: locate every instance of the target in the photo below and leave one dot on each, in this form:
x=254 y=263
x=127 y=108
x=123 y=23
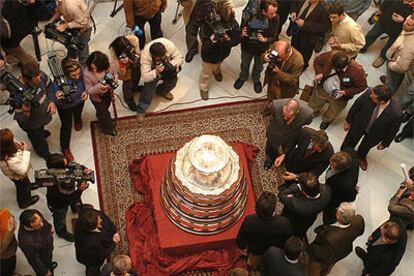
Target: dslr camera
x=170 y=70
x=274 y=57
x=109 y=79
x=56 y=68
x=66 y=179
x=19 y=93
x=69 y=38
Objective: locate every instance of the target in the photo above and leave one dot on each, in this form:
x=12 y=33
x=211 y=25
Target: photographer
x=33 y=120
x=217 y=46
x=61 y=195
x=123 y=48
x=76 y=16
x=285 y=67
x=15 y=163
x=100 y=94
x=193 y=19
x=160 y=60
x=259 y=30
x=66 y=110
x=338 y=79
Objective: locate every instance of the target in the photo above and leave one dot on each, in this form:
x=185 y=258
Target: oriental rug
x=167 y=132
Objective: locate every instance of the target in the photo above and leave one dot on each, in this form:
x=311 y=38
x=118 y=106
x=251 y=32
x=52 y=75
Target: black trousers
x=131 y=85
x=7 y=266
x=38 y=139
x=65 y=115
x=23 y=191
x=155 y=28
x=92 y=270
x=408 y=129
x=103 y=115
x=352 y=138
x=301 y=43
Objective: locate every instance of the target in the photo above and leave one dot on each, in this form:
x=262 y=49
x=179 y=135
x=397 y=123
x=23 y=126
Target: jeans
x=103 y=115
x=372 y=36
x=246 y=59
x=38 y=139
x=155 y=28
x=59 y=219
x=394 y=80
x=406 y=100
x=23 y=191
x=150 y=88
x=65 y=115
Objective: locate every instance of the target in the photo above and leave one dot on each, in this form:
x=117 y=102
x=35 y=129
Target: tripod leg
x=177 y=14
x=36 y=44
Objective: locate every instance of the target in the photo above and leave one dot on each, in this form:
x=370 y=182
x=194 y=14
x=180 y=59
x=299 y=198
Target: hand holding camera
x=59 y=95
x=397 y=18
x=318 y=77
x=159 y=68
x=245 y=33
x=103 y=88
x=261 y=38
x=62 y=27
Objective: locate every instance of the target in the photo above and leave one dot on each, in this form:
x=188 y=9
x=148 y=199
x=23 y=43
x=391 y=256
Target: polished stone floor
x=377 y=184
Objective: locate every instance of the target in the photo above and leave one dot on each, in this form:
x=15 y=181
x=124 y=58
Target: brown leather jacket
x=143 y=8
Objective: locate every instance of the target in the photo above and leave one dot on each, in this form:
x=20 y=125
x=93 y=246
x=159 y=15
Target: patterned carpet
x=164 y=132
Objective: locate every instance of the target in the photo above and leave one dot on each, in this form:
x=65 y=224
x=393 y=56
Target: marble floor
x=377 y=184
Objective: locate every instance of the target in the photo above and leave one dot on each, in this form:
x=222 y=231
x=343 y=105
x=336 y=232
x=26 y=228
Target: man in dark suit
x=386 y=246
x=260 y=231
x=375 y=116
x=303 y=202
x=312 y=18
x=289 y=115
x=334 y=242
x=277 y=261
x=342 y=178
x=95 y=239
x=310 y=154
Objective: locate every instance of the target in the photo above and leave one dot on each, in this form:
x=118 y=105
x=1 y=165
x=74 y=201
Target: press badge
x=346 y=80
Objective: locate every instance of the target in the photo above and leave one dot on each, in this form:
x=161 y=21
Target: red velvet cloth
x=149 y=256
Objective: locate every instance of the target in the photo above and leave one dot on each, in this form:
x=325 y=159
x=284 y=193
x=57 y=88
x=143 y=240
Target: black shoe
x=54 y=265
x=47 y=133
x=189 y=57
x=32 y=201
x=361 y=253
x=132 y=106
x=405 y=117
x=324 y=125
x=258 y=87
x=66 y=236
x=383 y=79
x=400 y=137
x=267 y=164
x=76 y=207
x=363 y=50
x=238 y=84
x=218 y=77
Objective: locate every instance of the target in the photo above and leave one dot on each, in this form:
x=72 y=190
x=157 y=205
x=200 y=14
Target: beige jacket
x=350 y=36
x=174 y=55
x=16 y=166
x=125 y=73
x=75 y=13
x=188 y=6
x=143 y=8
x=401 y=53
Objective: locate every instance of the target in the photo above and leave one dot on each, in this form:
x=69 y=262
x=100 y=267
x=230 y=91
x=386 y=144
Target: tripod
x=178 y=14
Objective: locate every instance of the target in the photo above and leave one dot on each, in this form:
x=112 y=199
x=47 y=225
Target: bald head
x=283 y=48
x=290 y=109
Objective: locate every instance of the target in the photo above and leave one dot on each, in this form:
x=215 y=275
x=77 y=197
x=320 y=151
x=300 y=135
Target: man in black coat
x=342 y=178
x=288 y=117
x=310 y=154
x=303 y=202
x=217 y=46
x=386 y=247
x=260 y=231
x=376 y=117
x=312 y=18
x=95 y=239
x=36 y=241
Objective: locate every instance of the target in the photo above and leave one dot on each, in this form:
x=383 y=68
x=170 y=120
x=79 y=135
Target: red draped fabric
x=150 y=238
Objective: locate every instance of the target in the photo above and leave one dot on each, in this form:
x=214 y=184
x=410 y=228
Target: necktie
x=305 y=11
x=373 y=118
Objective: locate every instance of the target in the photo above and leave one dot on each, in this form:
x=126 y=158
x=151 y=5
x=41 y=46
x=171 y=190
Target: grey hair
x=346 y=212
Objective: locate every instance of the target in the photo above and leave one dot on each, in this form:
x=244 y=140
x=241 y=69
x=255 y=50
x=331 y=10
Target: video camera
x=109 y=79
x=60 y=78
x=130 y=53
x=66 y=179
x=215 y=22
x=19 y=93
x=69 y=38
x=274 y=57
x=256 y=23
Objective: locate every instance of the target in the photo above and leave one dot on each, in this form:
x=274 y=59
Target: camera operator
x=217 y=47
x=66 y=110
x=76 y=16
x=285 y=67
x=17 y=22
x=33 y=120
x=15 y=163
x=60 y=197
x=128 y=69
x=160 y=60
x=100 y=94
x=256 y=41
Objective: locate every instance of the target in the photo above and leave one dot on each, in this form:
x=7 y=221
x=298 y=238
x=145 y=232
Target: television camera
x=215 y=22
x=256 y=23
x=66 y=179
x=19 y=93
x=70 y=38
x=109 y=79
x=56 y=68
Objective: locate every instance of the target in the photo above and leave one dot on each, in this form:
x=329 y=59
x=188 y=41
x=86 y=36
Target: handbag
x=307 y=93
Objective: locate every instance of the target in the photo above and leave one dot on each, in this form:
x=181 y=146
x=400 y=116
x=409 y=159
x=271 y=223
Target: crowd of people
x=274 y=243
